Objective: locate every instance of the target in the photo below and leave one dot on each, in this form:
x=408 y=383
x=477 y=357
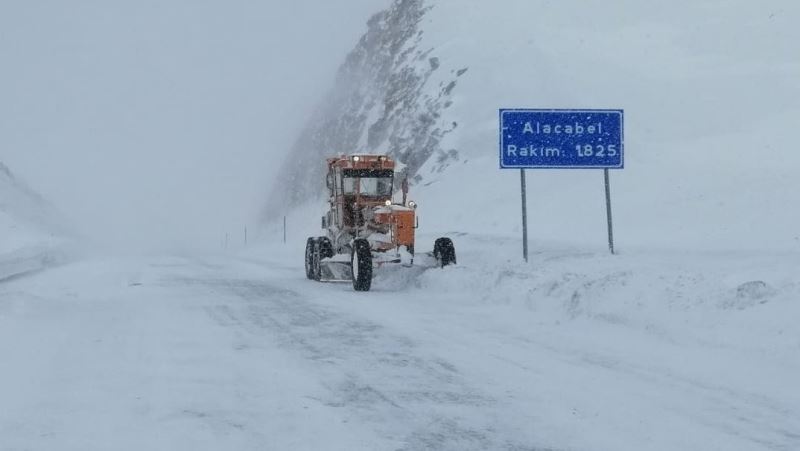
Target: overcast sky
x=154 y=122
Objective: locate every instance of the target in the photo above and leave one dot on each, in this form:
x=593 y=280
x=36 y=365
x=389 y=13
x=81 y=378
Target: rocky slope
x=388 y=97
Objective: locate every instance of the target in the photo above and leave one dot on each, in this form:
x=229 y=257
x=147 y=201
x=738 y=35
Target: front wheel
x=445 y=252
x=361 y=260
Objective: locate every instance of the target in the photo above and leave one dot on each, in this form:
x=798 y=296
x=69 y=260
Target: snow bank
x=32 y=235
x=747 y=301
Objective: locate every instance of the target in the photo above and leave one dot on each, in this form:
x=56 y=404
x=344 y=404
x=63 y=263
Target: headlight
x=388 y=203
x=356 y=159
x=412 y=204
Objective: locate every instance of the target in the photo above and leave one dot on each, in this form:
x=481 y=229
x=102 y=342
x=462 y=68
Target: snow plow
x=364 y=228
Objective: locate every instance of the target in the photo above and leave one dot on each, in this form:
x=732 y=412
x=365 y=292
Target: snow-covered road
x=233 y=352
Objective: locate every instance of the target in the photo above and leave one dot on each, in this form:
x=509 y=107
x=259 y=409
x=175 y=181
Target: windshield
x=370 y=186
x=374 y=182
x=376 y=186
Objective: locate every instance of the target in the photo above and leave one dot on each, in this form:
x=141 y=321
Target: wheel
x=361 y=259
x=309 y=260
x=445 y=252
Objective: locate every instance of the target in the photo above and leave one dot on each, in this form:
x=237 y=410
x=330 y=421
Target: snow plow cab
x=364 y=227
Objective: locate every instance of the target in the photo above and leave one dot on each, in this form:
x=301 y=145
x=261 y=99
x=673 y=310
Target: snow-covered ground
x=580 y=350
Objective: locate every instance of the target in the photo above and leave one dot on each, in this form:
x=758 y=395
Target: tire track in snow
x=417 y=401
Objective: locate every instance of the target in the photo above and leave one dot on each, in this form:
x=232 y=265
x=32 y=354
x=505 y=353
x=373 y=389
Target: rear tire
x=445 y=252
x=361 y=260
x=309 y=259
x=316 y=271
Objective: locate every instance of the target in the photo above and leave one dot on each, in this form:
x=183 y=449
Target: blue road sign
x=561 y=139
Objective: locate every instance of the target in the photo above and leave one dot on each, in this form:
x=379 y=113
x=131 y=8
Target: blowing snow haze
x=158 y=123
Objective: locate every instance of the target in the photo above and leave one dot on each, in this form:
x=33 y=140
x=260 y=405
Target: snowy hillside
x=32 y=235
x=709 y=91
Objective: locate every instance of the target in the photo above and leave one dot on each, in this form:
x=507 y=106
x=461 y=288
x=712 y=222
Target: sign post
x=562 y=139
x=524 y=191
x=608 y=213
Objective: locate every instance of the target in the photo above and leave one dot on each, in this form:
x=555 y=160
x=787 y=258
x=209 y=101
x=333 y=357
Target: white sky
x=152 y=123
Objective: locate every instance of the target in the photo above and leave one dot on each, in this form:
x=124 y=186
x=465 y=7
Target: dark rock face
x=381 y=102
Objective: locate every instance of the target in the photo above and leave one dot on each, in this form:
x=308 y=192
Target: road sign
x=561 y=139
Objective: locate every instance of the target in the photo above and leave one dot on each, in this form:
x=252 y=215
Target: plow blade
x=339 y=269
x=335 y=271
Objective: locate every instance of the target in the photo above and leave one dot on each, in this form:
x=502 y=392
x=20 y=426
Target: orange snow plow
x=364 y=228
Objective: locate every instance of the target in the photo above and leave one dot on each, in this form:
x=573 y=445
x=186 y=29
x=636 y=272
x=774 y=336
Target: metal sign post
x=608 y=213
x=524 y=191
x=562 y=139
